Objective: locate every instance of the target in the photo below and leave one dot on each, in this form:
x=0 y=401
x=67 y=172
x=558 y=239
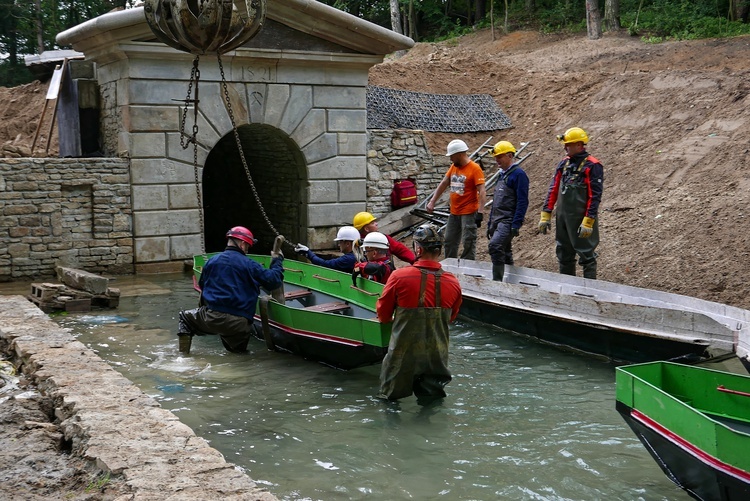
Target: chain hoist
x=207 y=27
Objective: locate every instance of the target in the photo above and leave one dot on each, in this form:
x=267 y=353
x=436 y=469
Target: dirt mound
x=669 y=122
x=20 y=111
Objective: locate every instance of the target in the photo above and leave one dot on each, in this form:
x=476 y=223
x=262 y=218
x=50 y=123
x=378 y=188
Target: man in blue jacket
x=230 y=284
x=345 y=238
x=509 y=204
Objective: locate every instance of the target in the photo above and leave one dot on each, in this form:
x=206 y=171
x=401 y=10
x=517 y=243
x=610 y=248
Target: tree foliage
x=30 y=26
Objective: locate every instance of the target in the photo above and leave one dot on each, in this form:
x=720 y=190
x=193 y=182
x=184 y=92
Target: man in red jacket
x=417 y=359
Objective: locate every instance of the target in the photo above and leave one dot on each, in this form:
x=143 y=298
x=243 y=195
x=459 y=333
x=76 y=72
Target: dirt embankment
x=670 y=122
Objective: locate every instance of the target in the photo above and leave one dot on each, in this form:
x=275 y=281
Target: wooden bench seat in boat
x=329 y=307
x=298 y=294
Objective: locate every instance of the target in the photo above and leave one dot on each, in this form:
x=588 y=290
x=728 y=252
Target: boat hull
x=323 y=318
x=699 y=475
x=694 y=422
x=333 y=351
x=592 y=339
x=622 y=323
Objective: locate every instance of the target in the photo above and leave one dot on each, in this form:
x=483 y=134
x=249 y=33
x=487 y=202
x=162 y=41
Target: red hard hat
x=242 y=233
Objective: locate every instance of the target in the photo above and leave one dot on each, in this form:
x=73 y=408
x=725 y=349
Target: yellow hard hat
x=362 y=219
x=574 y=135
x=502 y=147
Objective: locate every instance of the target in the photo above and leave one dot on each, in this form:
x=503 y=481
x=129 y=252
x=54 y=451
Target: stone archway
x=279 y=173
x=298 y=94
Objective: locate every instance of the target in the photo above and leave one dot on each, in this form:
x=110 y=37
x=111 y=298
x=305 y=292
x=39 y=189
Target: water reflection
x=521 y=420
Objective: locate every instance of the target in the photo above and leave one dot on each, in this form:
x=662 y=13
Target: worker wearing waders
x=421 y=301
x=577 y=189
x=509 y=203
x=230 y=285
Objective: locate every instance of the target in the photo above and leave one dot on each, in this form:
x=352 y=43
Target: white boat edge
x=653 y=313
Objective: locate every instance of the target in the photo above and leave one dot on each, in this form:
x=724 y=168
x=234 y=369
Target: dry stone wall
x=399 y=154
x=69 y=212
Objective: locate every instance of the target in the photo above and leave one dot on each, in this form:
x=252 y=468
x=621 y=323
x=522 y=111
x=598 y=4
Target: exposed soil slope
x=670 y=122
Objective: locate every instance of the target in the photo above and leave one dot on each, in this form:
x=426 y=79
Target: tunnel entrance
x=279 y=173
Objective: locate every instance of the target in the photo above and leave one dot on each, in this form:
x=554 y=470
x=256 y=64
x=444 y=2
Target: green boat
x=322 y=316
x=695 y=423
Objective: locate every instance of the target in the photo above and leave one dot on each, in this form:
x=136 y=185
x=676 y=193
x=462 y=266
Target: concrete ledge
x=113 y=424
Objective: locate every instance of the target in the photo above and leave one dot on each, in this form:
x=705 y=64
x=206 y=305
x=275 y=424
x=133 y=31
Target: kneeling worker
x=230 y=284
x=417 y=359
x=345 y=239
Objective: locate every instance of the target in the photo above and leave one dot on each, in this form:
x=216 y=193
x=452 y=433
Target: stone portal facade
x=297 y=93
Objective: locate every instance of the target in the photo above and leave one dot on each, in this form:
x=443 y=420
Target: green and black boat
x=695 y=423
x=323 y=316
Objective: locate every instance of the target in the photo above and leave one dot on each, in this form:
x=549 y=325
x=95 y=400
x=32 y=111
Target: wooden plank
x=398 y=220
x=298 y=294
x=329 y=307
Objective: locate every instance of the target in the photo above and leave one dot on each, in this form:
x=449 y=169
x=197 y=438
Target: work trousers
x=461 y=229
x=233 y=330
x=500 y=248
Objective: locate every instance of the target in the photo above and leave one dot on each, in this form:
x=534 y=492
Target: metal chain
x=195 y=76
x=239 y=148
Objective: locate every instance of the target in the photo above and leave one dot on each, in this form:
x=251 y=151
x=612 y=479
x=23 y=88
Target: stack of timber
x=78 y=292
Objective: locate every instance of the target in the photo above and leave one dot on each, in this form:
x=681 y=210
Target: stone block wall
x=400 y=154
x=69 y=212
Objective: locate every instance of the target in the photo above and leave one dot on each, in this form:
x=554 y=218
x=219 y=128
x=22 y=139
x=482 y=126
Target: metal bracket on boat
x=263 y=308
x=363 y=291
x=326 y=279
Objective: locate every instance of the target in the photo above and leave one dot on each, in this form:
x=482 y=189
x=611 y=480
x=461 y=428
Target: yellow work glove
x=586 y=228
x=544 y=222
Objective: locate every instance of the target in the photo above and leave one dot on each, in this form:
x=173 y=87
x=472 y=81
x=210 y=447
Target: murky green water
x=521 y=420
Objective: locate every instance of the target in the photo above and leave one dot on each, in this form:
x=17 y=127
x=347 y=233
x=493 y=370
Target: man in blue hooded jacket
x=509 y=204
x=230 y=284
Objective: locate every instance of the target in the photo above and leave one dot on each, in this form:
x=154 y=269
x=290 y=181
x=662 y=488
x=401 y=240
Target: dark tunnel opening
x=279 y=174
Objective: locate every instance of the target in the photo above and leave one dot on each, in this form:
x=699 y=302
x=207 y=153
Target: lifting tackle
x=203 y=27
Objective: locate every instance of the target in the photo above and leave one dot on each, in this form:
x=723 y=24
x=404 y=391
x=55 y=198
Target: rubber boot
x=589 y=271
x=498 y=270
x=568 y=268
x=186 y=340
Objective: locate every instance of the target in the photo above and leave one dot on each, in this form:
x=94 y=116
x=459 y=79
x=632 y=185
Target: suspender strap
x=423 y=287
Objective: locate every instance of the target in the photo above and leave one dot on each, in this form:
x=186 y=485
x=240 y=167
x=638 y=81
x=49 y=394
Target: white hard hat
x=456 y=146
x=375 y=240
x=347 y=233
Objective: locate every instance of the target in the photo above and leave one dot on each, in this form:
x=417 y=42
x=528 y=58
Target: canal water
x=522 y=421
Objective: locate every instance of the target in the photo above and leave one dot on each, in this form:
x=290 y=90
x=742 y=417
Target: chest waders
x=417 y=359
x=572 y=200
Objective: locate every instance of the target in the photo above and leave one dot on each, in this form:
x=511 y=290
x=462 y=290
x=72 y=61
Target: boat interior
x=312 y=300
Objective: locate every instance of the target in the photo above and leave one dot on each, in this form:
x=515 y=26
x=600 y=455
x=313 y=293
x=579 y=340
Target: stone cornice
x=308 y=16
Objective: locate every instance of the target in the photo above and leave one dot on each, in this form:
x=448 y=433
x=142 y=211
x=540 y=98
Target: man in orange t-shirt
x=467 y=199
